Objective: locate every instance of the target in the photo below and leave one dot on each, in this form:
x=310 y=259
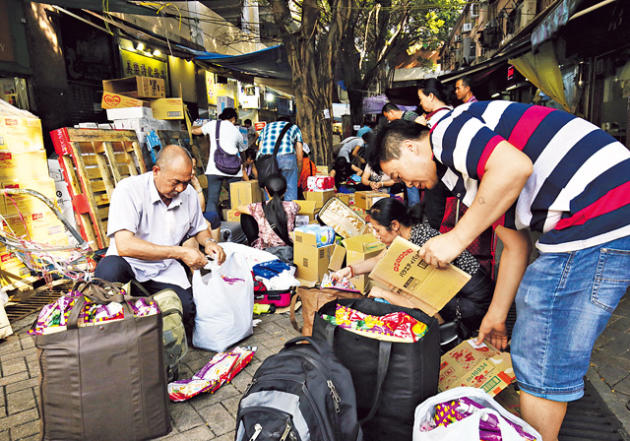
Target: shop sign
x=510 y=73
x=260 y=125
x=137 y=64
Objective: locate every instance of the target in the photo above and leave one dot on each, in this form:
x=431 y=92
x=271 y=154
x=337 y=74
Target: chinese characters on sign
x=136 y=64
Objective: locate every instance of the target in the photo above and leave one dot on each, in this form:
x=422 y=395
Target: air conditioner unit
x=467 y=27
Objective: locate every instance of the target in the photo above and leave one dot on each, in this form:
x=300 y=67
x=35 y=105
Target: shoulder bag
x=226 y=163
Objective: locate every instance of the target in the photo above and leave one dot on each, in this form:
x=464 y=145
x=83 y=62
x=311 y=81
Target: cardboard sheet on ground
x=402 y=268
x=481 y=366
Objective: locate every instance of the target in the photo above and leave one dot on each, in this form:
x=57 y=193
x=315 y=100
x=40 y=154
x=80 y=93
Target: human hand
x=343 y=273
x=214 y=249
x=441 y=250
x=194 y=258
x=494 y=330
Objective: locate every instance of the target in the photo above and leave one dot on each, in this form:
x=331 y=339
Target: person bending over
x=390 y=218
x=150 y=215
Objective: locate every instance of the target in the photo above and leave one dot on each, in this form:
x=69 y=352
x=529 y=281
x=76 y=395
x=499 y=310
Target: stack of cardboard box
x=23 y=165
x=311 y=261
x=242 y=194
x=126 y=101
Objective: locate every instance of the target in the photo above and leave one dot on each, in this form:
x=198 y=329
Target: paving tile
x=219 y=420
x=241 y=381
x=19 y=401
x=27 y=341
x=4 y=436
x=201 y=433
x=611 y=374
x=10 y=345
x=21 y=385
x=14 y=366
x=19 y=418
x=185 y=416
x=32 y=438
x=24 y=430
x=226 y=437
x=623 y=386
x=17 y=353
x=231 y=404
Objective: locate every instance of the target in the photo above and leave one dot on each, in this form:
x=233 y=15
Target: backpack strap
x=284 y=130
x=217 y=132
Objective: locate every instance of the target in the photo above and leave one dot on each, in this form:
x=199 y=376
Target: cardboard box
x=365 y=199
x=320 y=183
x=337 y=258
x=307 y=208
x=311 y=262
x=233 y=216
x=343 y=219
x=133 y=113
x=480 y=366
x=137 y=87
x=20 y=132
x=320 y=197
x=402 y=268
x=346 y=198
x=323 y=170
x=23 y=166
x=113 y=100
x=361 y=248
x=362 y=283
x=168 y=108
x=244 y=193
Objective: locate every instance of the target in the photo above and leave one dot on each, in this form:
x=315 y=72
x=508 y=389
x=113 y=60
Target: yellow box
x=233 y=216
x=322 y=170
x=23 y=166
x=137 y=87
x=27 y=204
x=168 y=108
x=365 y=199
x=361 y=283
x=311 y=262
x=307 y=208
x=360 y=248
x=346 y=198
x=337 y=258
x=20 y=133
x=244 y=193
x=320 y=197
x=112 y=100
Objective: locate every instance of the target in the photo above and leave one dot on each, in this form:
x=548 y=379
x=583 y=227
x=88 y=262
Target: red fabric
x=308 y=169
x=487 y=151
x=614 y=199
x=528 y=123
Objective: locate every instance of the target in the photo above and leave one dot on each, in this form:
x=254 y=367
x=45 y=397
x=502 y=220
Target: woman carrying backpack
x=224 y=163
x=273 y=220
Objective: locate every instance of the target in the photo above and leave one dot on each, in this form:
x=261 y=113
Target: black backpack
x=301 y=393
x=267 y=165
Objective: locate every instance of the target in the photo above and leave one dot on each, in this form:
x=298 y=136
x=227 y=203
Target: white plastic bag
x=467 y=429
x=225 y=302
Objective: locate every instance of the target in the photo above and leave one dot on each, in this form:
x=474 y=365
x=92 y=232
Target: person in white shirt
x=232 y=142
x=150 y=215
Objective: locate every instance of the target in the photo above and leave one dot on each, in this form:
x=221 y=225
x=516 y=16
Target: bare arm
x=514 y=260
x=245 y=176
x=128 y=245
x=506 y=173
x=357 y=269
x=197 y=130
x=299 y=154
x=365 y=177
x=211 y=248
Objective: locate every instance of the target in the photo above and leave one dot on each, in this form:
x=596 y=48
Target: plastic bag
x=225 y=302
x=467 y=429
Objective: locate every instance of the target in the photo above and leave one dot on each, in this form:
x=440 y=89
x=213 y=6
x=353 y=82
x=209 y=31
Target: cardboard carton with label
x=311 y=261
x=359 y=249
x=365 y=199
x=244 y=193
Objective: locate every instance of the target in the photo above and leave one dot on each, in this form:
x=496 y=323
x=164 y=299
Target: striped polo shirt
x=270 y=133
x=578 y=195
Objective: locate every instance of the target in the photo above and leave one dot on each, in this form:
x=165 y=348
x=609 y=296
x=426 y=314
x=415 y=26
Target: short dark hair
x=386 y=146
x=388 y=107
x=248 y=121
x=284 y=118
x=465 y=81
x=228 y=113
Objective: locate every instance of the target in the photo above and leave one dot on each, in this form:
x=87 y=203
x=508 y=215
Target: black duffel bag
x=390 y=379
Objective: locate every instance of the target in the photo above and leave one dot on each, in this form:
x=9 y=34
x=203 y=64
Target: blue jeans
x=214 y=190
x=289 y=169
x=413 y=196
x=563 y=304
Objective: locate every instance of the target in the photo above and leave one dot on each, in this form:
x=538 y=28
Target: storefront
x=14 y=59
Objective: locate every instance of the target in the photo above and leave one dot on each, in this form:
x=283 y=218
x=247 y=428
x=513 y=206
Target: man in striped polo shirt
x=522 y=167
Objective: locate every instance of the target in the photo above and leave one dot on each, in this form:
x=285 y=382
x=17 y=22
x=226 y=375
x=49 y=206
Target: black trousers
x=117 y=269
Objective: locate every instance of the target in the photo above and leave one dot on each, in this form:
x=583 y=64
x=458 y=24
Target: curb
x=616 y=404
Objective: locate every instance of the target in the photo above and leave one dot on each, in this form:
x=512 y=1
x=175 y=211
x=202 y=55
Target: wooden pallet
x=93 y=161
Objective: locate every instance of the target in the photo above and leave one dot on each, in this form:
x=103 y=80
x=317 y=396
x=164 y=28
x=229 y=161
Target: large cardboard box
x=25 y=203
x=323 y=170
x=338 y=258
x=233 y=216
x=244 y=193
x=168 y=108
x=320 y=197
x=23 y=166
x=404 y=270
x=20 y=131
x=307 y=208
x=343 y=219
x=113 y=100
x=137 y=87
x=346 y=198
x=311 y=261
x=365 y=199
x=480 y=366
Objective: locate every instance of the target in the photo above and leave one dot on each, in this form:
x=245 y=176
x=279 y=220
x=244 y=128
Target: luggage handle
x=292 y=318
x=384 y=356
x=296 y=340
x=103 y=293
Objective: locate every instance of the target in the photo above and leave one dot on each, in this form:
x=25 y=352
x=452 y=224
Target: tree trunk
x=356 y=105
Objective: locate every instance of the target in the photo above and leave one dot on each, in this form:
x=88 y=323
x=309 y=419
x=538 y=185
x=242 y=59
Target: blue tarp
x=270 y=62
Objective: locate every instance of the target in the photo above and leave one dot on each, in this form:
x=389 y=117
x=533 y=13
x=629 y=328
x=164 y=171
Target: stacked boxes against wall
x=23 y=165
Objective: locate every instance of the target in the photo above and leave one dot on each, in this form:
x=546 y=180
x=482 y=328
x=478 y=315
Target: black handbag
x=267 y=165
x=390 y=379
